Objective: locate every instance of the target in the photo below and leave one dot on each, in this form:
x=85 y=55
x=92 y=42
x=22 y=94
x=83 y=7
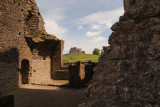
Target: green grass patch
x=80 y=57
x=41 y=36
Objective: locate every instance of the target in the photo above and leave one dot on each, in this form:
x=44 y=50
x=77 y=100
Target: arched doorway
x=25 y=71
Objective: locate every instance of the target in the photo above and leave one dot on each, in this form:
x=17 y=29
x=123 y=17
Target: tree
x=96 y=51
x=102 y=51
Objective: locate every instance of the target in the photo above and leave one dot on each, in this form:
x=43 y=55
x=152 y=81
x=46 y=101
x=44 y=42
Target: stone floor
x=48 y=96
x=58 y=83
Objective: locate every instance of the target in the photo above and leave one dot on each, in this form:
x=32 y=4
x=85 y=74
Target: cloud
x=64 y=15
x=98 y=39
x=57 y=14
x=91 y=34
x=107 y=17
x=53 y=28
x=80 y=27
x=96 y=26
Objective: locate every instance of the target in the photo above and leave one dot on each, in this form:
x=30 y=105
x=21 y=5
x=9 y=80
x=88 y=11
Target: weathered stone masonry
x=11 y=38
x=75 y=50
x=27 y=53
x=46 y=59
x=80 y=73
x=128 y=74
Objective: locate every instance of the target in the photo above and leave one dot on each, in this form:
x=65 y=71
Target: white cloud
x=96 y=26
x=80 y=27
x=92 y=34
x=57 y=14
x=61 y=15
x=98 y=39
x=107 y=17
x=53 y=28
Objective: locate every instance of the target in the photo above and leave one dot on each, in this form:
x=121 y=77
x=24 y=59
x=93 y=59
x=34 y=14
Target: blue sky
x=81 y=23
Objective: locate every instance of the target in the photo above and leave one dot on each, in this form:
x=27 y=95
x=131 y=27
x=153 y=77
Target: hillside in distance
x=80 y=57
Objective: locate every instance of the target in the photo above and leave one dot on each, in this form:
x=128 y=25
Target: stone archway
x=25 y=71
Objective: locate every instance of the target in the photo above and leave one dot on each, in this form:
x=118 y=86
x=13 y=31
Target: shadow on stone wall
x=44 y=48
x=74 y=76
x=9 y=73
x=9 y=56
x=81 y=73
x=89 y=71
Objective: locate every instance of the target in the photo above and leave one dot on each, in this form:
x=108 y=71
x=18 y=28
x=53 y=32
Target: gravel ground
x=48 y=96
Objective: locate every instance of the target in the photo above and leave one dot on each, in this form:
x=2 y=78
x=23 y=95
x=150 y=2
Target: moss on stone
x=42 y=36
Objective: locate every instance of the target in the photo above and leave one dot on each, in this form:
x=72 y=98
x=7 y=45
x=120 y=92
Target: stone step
x=61 y=75
x=61 y=70
x=64 y=68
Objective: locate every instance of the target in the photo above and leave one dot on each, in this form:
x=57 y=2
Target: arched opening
x=25 y=71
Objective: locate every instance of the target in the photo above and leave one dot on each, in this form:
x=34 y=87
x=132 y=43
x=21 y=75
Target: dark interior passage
x=25 y=71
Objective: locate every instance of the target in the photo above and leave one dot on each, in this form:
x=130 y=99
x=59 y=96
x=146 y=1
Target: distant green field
x=80 y=57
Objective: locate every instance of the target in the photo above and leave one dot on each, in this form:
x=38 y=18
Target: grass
x=41 y=36
x=80 y=57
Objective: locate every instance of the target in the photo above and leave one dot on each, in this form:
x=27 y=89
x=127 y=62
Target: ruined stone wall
x=57 y=58
x=9 y=69
x=11 y=38
x=41 y=70
x=42 y=53
x=89 y=71
x=80 y=73
x=17 y=19
x=34 y=23
x=75 y=71
x=128 y=74
x=75 y=50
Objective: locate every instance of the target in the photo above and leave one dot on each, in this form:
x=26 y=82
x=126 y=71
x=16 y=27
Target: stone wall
x=23 y=38
x=75 y=50
x=57 y=58
x=34 y=23
x=127 y=74
x=89 y=71
x=80 y=73
x=75 y=75
x=41 y=70
x=11 y=33
x=46 y=59
x=9 y=63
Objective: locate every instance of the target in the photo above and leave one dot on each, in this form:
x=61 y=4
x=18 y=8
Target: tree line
x=97 y=51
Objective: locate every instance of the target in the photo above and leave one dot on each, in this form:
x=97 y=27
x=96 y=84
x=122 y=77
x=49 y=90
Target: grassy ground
x=80 y=57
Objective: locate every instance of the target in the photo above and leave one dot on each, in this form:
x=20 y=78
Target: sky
x=81 y=23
